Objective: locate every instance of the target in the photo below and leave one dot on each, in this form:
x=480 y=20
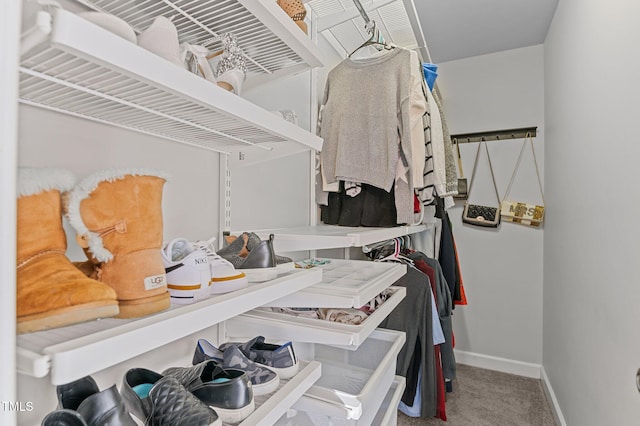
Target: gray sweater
x=366 y=107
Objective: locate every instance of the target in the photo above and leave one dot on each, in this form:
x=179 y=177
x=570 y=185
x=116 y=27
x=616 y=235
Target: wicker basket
x=296 y=11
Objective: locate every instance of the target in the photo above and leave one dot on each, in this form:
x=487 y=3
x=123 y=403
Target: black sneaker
x=263 y=379
x=279 y=358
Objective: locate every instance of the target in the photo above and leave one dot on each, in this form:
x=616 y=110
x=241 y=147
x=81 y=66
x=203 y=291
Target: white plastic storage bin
x=387 y=415
x=345 y=284
x=353 y=384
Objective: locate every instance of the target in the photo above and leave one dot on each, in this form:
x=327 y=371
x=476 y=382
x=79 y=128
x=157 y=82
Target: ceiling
x=456 y=29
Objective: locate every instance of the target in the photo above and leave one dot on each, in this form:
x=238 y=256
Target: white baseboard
x=551 y=396
x=495 y=363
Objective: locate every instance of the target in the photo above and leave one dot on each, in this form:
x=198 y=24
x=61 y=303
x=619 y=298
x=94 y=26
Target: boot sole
x=66 y=316
x=143 y=307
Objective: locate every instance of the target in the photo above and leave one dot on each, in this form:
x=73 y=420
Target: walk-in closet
x=373 y=201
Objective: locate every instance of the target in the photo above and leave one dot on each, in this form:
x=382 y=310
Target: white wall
x=190 y=197
x=591 y=247
x=502 y=270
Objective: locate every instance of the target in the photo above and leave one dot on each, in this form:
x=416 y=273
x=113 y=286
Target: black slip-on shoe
x=158 y=400
x=97 y=408
x=227 y=391
x=63 y=417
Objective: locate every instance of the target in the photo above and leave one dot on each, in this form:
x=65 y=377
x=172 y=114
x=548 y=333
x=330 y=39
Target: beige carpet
x=489 y=398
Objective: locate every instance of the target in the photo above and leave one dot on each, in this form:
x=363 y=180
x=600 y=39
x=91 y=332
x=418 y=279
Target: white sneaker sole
x=185 y=297
x=227 y=285
x=283 y=268
x=266 y=388
x=235 y=416
x=257 y=275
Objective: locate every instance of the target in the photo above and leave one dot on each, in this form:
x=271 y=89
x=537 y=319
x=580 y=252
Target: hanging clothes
x=413 y=316
x=444 y=301
x=372 y=123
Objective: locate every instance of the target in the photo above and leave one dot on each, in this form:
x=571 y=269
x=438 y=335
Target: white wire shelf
x=321 y=237
x=80 y=69
x=271 y=42
x=72 y=352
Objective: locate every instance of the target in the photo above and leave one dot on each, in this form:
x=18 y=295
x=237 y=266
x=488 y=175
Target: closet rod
x=495 y=135
x=358 y=5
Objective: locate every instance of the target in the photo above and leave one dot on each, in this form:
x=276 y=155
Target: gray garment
x=366 y=107
x=445 y=308
x=413 y=316
x=449 y=160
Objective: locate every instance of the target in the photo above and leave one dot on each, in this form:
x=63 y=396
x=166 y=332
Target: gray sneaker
x=283 y=263
x=263 y=379
x=258 y=264
x=279 y=358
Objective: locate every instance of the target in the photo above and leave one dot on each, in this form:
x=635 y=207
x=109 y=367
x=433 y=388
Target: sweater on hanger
x=365 y=108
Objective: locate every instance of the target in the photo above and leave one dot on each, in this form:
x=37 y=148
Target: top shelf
x=78 y=68
x=272 y=44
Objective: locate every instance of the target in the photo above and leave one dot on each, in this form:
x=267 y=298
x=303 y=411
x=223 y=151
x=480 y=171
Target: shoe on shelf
x=231 y=70
x=111 y=23
x=263 y=379
x=161 y=38
x=195 y=56
x=63 y=417
x=279 y=358
x=224 y=277
x=251 y=240
x=227 y=391
x=259 y=264
x=94 y=407
x=160 y=400
x=188 y=272
x=283 y=263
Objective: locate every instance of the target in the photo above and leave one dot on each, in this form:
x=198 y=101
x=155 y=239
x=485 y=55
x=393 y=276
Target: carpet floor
x=490 y=398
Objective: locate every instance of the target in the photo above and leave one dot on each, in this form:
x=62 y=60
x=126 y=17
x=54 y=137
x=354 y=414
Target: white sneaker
x=188 y=272
x=224 y=277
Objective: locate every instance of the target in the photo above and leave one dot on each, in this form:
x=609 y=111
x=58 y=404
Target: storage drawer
x=345 y=284
x=353 y=384
x=284 y=327
x=387 y=414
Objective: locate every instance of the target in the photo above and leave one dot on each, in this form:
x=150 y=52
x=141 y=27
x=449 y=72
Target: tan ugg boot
x=51 y=292
x=117 y=215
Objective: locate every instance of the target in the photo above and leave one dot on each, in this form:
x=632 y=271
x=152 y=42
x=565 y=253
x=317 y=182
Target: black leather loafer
x=159 y=400
x=97 y=408
x=228 y=391
x=63 y=418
